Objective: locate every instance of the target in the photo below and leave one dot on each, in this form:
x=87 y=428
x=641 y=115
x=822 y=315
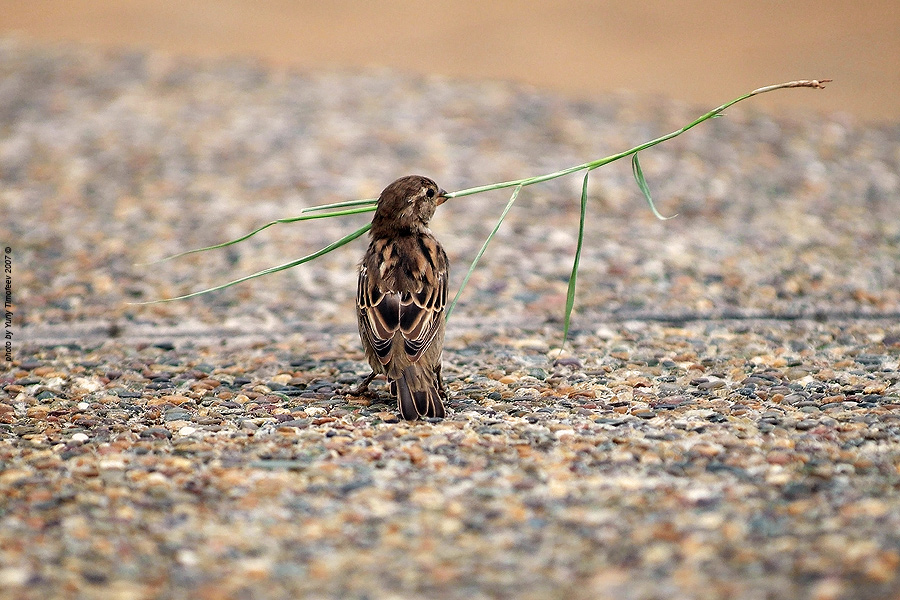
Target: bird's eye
x=430 y=193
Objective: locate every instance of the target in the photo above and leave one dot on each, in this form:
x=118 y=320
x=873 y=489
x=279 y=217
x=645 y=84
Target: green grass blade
x=364 y=202
x=484 y=246
x=570 y=294
x=642 y=183
x=332 y=246
x=259 y=229
x=805 y=83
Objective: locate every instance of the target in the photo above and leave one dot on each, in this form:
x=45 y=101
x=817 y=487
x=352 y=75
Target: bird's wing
x=417 y=315
x=379 y=315
x=420 y=316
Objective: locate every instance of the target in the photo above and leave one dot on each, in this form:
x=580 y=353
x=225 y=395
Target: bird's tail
x=417 y=394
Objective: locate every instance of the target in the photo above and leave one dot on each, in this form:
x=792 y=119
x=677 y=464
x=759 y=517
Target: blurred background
x=699 y=51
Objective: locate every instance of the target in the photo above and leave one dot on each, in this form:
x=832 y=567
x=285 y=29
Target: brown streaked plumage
x=401 y=295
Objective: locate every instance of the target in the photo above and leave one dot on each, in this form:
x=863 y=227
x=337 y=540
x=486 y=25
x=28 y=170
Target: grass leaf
x=570 y=294
x=332 y=246
x=340 y=213
x=642 y=183
x=484 y=246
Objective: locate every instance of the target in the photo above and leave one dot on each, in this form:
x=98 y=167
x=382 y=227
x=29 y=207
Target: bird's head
x=406 y=206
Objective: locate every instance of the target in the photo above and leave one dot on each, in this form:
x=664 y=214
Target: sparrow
x=401 y=296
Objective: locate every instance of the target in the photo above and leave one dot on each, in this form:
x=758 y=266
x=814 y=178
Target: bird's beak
x=441 y=197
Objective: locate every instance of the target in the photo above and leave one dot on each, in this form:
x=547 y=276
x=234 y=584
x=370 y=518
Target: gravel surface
x=723 y=423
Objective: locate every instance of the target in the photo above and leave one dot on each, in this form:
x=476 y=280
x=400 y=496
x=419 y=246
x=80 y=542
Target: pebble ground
x=724 y=421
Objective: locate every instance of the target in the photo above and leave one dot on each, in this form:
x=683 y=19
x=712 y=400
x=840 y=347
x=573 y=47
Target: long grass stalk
x=366 y=205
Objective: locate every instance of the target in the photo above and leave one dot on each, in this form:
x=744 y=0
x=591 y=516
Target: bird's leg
x=363 y=387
